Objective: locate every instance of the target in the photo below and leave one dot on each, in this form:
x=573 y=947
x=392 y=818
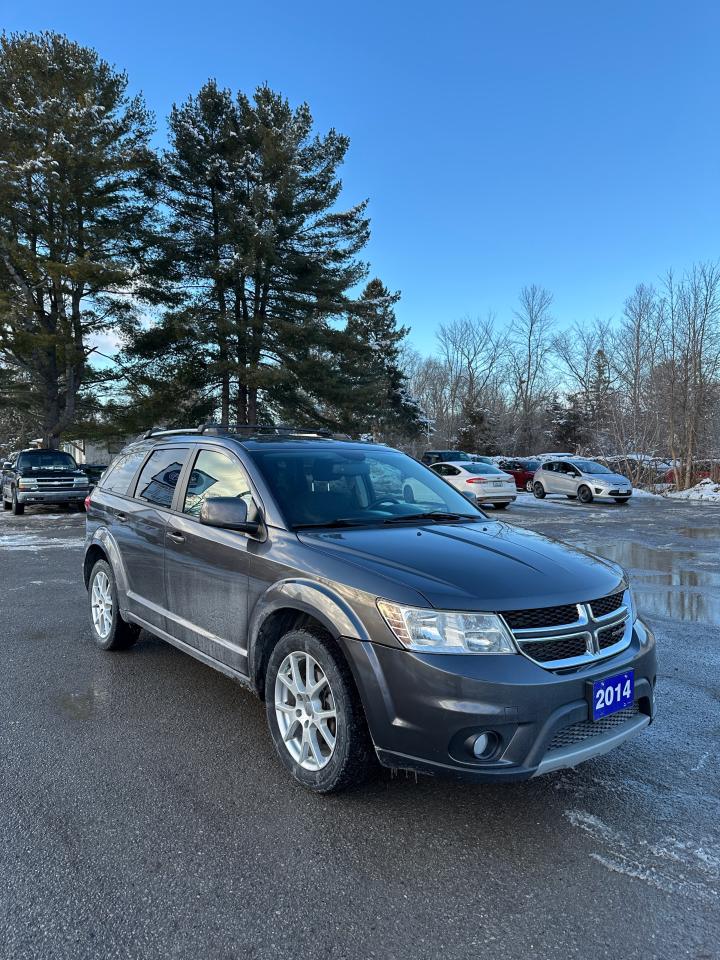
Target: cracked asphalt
x=143 y=814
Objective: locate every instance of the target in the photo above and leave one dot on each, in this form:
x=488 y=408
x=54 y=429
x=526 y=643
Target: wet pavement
x=144 y=815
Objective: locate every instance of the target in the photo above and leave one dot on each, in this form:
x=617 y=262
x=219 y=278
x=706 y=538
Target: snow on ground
x=705 y=490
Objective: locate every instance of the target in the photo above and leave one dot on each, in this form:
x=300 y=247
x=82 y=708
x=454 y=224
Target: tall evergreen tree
x=261 y=260
x=77 y=191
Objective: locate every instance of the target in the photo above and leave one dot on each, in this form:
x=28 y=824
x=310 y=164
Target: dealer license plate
x=613 y=694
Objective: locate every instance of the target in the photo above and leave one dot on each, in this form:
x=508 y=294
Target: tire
x=18 y=509
x=585 y=494
x=529 y=486
x=501 y=506
x=312 y=761
x=539 y=491
x=120 y=635
x=6 y=504
x=621 y=499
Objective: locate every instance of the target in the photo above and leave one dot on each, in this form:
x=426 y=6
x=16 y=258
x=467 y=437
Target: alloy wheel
x=305 y=711
x=101 y=605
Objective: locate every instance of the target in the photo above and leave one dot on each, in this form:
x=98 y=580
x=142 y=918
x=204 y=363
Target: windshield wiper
x=338 y=522
x=437 y=515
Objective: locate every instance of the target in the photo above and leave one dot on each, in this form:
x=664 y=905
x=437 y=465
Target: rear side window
x=159 y=477
x=119 y=474
x=215 y=475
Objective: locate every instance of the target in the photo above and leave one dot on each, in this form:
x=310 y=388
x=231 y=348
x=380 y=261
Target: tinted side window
x=118 y=475
x=215 y=475
x=159 y=477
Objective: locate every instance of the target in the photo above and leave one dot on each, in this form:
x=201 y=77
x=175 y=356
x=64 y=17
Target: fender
x=306 y=596
x=104 y=539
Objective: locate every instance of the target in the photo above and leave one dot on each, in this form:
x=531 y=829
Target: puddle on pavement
x=667 y=582
x=82 y=706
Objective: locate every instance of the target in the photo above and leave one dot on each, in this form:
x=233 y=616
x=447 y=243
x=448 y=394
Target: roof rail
x=160 y=431
x=266 y=429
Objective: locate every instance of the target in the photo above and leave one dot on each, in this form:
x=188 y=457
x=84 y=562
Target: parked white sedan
x=486 y=482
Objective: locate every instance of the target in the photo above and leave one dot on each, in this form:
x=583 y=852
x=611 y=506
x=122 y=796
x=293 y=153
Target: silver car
x=581 y=480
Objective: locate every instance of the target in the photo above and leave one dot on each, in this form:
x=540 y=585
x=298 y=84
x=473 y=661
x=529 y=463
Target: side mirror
x=229 y=513
x=6 y=465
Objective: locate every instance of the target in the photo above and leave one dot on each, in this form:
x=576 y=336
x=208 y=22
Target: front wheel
x=529 y=486
x=17 y=508
x=539 y=491
x=109 y=630
x=585 y=495
x=315 y=716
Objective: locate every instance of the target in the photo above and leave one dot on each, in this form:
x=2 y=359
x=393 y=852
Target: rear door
x=206 y=568
x=138 y=519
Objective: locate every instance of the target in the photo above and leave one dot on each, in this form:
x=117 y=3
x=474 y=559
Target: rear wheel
x=6 y=504
x=109 y=630
x=539 y=491
x=315 y=716
x=17 y=508
x=585 y=494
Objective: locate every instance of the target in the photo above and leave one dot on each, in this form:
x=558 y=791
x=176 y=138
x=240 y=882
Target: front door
x=206 y=568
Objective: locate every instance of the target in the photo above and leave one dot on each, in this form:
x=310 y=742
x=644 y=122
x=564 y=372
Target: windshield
x=364 y=487
x=46 y=460
x=589 y=466
x=531 y=464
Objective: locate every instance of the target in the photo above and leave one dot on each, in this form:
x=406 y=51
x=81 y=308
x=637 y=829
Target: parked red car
x=522 y=470
x=701 y=470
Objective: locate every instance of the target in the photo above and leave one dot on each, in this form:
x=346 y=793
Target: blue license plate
x=613 y=694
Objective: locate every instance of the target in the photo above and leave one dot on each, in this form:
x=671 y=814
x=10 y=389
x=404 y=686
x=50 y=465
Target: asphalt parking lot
x=145 y=816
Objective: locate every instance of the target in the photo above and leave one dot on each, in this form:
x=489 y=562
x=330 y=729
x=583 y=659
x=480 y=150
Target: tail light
x=477 y=480
x=87 y=502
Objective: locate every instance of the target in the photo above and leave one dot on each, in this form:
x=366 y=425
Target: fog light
x=480 y=745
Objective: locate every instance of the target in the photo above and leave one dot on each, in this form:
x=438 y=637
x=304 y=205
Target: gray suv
x=417 y=633
x=580 y=479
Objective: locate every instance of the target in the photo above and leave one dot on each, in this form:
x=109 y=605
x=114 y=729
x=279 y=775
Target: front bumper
x=52 y=496
x=425 y=711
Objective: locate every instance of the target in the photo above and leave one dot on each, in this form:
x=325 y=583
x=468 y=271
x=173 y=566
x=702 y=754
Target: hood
x=606 y=478
x=478 y=566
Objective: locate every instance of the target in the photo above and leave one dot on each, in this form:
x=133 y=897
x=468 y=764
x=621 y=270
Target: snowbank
x=705 y=490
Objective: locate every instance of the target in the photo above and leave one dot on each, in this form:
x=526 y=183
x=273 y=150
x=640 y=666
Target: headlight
x=27 y=484
x=442 y=631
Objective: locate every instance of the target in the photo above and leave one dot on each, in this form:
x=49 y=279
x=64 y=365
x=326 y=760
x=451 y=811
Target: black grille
x=611 y=635
x=585 y=729
x=541 y=617
x=606 y=605
x=547 y=650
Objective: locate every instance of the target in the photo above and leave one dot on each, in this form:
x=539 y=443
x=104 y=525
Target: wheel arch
x=293 y=604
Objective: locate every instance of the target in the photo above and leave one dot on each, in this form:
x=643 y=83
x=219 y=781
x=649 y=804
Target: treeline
x=224 y=267
x=648 y=383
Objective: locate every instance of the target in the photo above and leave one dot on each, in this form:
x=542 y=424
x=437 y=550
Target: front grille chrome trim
x=586 y=626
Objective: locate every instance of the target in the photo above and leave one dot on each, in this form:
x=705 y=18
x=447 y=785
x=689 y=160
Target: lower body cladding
x=497 y=717
x=51 y=497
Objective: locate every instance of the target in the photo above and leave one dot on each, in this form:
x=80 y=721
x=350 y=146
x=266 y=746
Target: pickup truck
x=39 y=476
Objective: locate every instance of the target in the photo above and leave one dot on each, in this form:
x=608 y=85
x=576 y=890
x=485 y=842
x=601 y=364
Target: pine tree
x=259 y=260
x=77 y=190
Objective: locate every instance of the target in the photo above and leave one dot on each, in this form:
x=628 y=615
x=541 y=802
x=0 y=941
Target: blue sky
x=571 y=144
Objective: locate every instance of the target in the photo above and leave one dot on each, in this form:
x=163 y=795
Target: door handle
x=122 y=517
x=177 y=537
